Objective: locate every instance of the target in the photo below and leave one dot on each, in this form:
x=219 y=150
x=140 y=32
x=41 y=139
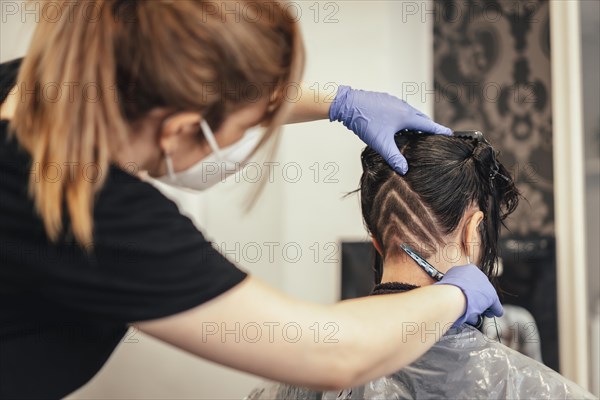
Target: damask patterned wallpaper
x=492 y=73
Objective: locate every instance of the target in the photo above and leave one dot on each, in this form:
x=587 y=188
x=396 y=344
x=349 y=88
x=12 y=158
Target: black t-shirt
x=63 y=310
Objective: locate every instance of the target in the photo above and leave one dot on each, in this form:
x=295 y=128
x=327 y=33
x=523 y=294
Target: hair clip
x=474 y=135
x=411 y=132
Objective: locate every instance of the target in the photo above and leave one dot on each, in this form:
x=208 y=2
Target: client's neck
x=404 y=269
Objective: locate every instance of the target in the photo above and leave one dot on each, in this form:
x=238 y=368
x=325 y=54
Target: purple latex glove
x=481 y=295
x=376 y=117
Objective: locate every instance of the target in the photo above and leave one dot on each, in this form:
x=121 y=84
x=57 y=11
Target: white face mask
x=217 y=166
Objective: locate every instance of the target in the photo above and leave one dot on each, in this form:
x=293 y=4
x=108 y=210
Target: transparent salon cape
x=464 y=364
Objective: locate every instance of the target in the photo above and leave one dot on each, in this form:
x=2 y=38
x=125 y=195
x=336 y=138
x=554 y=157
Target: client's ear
x=377 y=246
x=472 y=238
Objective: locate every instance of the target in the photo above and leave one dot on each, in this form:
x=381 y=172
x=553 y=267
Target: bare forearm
x=312 y=105
x=258 y=329
x=394 y=330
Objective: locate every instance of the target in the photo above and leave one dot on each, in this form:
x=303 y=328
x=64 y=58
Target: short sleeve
x=8 y=76
x=148 y=260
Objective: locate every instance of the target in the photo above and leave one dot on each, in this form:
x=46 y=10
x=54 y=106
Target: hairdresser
x=89 y=249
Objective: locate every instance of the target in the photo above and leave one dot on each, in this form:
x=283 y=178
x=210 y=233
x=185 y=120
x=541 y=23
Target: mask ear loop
x=170 y=169
x=210 y=138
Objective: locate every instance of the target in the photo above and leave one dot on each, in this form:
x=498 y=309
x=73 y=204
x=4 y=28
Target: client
x=448 y=208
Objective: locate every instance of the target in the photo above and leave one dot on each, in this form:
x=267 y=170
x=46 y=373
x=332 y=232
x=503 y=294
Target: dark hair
x=446 y=176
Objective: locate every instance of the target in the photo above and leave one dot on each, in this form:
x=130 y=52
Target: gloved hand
x=376 y=117
x=481 y=295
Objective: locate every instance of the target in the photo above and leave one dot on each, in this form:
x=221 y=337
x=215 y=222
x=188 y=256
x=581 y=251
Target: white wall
x=16 y=27
x=368 y=47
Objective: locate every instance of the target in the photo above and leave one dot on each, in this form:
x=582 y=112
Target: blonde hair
x=105 y=63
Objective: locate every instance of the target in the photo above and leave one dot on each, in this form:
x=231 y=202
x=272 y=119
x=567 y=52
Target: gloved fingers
x=423 y=123
x=496 y=310
x=396 y=160
x=460 y=272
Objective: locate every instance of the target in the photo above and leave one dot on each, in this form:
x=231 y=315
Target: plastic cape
x=464 y=364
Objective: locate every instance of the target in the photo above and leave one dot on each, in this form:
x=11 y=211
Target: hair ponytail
x=499 y=198
x=67 y=116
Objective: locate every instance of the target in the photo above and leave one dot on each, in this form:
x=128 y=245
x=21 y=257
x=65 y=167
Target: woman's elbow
x=342 y=370
x=337 y=377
